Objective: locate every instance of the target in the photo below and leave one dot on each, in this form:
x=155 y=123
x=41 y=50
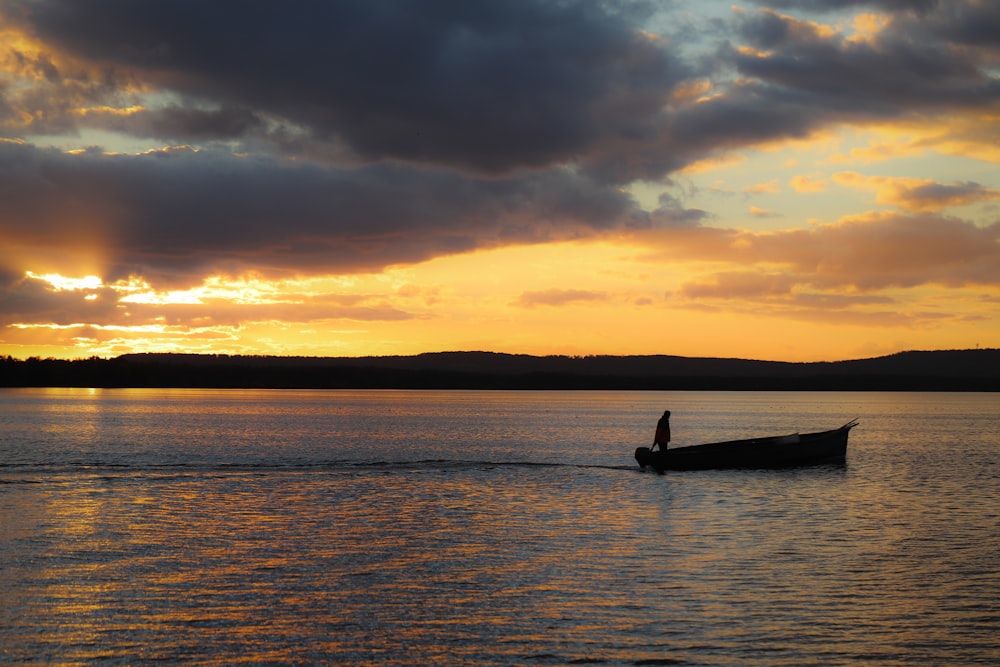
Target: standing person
x=662 y=437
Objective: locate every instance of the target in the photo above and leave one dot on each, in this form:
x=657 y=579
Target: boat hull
x=772 y=452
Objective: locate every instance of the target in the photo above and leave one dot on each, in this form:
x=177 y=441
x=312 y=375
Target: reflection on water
x=498 y=529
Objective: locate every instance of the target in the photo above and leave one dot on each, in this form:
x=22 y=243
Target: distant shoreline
x=946 y=370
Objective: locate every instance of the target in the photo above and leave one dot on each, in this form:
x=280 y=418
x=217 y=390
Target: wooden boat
x=782 y=451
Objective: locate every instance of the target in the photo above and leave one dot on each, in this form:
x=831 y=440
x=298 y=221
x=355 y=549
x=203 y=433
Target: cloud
x=174 y=215
x=874 y=153
x=671 y=213
x=918 y=6
x=771 y=188
x=489 y=87
x=35 y=301
x=808 y=183
x=905 y=67
x=917 y=195
x=484 y=88
x=860 y=254
x=784 y=296
x=559 y=297
x=758 y=212
x=178 y=123
x=846 y=273
x=32 y=300
x=740 y=285
x=885 y=250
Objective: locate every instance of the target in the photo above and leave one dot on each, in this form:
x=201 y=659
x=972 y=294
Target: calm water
x=491 y=528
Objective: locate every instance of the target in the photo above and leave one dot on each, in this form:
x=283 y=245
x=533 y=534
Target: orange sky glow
x=798 y=184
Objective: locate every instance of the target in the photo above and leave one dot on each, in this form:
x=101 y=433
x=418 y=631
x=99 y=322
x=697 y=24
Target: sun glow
x=241 y=291
x=62 y=283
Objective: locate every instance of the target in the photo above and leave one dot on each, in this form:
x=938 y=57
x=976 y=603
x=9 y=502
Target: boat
x=781 y=451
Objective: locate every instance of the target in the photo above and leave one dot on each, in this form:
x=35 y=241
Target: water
x=491 y=528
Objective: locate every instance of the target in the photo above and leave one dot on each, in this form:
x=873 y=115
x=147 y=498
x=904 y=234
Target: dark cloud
x=173 y=212
x=888 y=75
x=970 y=22
x=919 y=6
x=31 y=300
x=176 y=122
x=490 y=86
x=796 y=77
x=935 y=196
x=671 y=213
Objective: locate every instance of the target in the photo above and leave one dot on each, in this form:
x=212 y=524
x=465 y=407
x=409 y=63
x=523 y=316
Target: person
x=662 y=437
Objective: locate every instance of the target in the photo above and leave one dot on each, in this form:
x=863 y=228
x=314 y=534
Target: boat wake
x=62 y=471
x=461 y=463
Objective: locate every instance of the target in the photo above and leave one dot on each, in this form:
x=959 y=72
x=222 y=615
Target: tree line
x=931 y=372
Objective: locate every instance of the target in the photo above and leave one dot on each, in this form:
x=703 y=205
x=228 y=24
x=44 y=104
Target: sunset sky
x=799 y=181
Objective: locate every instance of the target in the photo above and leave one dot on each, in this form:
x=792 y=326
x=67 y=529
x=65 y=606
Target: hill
x=950 y=370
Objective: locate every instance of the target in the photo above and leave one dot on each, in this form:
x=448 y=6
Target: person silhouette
x=662 y=437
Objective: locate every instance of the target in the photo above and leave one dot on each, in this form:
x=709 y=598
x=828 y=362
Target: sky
x=796 y=181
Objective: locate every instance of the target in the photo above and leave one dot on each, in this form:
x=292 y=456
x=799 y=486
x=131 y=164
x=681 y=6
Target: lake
x=216 y=527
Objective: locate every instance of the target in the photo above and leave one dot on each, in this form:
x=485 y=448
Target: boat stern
x=643 y=456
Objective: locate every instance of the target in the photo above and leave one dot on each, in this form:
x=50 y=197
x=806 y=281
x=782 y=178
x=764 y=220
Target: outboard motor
x=642 y=455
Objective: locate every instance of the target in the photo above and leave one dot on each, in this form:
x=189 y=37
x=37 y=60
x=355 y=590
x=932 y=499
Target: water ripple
x=239 y=546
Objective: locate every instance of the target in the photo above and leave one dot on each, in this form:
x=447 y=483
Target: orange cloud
x=740 y=285
x=868 y=25
x=917 y=195
x=771 y=188
x=970 y=134
x=863 y=253
x=559 y=297
x=712 y=163
x=694 y=90
x=808 y=184
x=758 y=212
x=878 y=270
x=875 y=152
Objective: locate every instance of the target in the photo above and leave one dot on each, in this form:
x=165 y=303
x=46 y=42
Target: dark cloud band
x=181 y=210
